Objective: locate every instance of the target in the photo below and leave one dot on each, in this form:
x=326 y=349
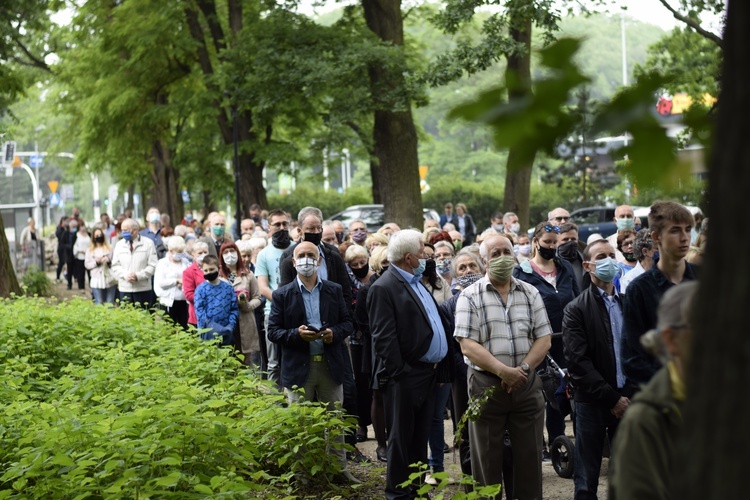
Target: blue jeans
x=437 y=428
x=593 y=424
x=104 y=295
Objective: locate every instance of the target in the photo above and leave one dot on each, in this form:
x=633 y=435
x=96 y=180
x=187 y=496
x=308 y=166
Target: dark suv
x=594 y=220
x=373 y=216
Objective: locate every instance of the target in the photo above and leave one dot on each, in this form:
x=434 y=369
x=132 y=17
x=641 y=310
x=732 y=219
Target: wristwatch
x=525 y=367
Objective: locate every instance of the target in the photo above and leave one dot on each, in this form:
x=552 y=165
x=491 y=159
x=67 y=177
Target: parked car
x=373 y=216
x=599 y=220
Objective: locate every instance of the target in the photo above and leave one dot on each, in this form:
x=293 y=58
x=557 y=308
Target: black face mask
x=568 y=250
x=361 y=272
x=99 y=239
x=546 y=253
x=313 y=238
x=384 y=270
x=211 y=276
x=630 y=257
x=280 y=239
x=339 y=237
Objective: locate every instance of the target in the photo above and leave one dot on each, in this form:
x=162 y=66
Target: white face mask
x=154 y=218
x=230 y=258
x=515 y=227
x=201 y=257
x=524 y=250
x=306 y=266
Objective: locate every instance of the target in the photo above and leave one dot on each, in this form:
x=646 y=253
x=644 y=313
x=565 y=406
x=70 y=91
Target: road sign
x=9 y=151
x=423 y=172
x=36 y=161
x=54 y=199
x=136 y=199
x=66 y=192
x=53 y=186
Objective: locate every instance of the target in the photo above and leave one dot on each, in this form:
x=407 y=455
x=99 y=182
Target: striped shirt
x=507 y=331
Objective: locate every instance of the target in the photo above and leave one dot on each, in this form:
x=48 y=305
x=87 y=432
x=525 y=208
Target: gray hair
x=447 y=245
x=642 y=242
x=508 y=215
x=467 y=251
x=130 y=223
x=244 y=245
x=176 y=244
x=198 y=245
x=403 y=242
x=484 y=252
x=180 y=230
x=308 y=211
x=257 y=242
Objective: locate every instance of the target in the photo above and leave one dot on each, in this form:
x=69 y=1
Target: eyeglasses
x=562 y=218
x=552 y=229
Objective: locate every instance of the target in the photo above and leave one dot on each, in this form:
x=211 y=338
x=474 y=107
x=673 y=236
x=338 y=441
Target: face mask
x=154 y=218
x=655 y=257
x=230 y=259
x=638 y=227
x=420 y=268
x=76 y=214
x=444 y=265
x=314 y=238
x=218 y=231
x=524 y=250
x=625 y=223
x=606 y=270
x=361 y=272
x=501 y=268
x=515 y=227
x=99 y=239
x=198 y=231
x=384 y=270
x=630 y=257
x=189 y=217
x=359 y=237
x=201 y=257
x=280 y=239
x=178 y=257
x=127 y=236
x=499 y=228
x=457 y=245
x=73 y=229
x=468 y=279
x=546 y=253
x=211 y=276
x=189 y=237
x=339 y=237
x=306 y=266
x=568 y=250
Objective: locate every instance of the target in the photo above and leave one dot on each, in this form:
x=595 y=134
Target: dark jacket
x=362 y=321
x=590 y=350
x=288 y=314
x=639 y=316
x=555 y=300
x=334 y=264
x=643 y=454
x=401 y=331
x=470 y=231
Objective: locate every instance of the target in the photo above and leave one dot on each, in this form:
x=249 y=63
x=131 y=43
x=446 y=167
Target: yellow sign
x=53 y=186
x=423 y=172
x=16 y=162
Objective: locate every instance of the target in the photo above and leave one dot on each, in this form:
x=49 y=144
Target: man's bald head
x=558 y=216
x=306 y=249
x=495 y=245
x=624 y=211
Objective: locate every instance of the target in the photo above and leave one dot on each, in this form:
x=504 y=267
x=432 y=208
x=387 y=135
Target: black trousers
x=179 y=313
x=79 y=272
x=364 y=393
x=408 y=418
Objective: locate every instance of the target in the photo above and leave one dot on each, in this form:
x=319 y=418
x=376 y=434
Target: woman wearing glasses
x=556 y=282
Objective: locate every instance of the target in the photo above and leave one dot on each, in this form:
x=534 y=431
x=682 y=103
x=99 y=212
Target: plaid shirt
x=507 y=331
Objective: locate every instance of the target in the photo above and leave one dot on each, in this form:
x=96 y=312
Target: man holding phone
x=309 y=321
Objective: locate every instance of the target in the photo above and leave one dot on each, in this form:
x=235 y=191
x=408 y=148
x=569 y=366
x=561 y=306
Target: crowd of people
x=401 y=327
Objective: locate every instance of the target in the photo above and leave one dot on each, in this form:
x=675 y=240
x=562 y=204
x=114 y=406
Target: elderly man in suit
x=309 y=320
x=409 y=340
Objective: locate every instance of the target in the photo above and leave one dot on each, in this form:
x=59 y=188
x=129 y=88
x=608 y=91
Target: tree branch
x=35 y=61
x=692 y=23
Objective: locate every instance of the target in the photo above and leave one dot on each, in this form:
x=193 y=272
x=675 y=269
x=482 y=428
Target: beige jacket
x=249 y=341
x=142 y=262
x=101 y=274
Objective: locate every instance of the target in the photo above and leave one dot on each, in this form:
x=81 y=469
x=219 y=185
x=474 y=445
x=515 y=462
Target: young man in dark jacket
x=592 y=333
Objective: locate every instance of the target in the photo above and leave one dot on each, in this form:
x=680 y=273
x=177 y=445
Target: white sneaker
x=428 y=479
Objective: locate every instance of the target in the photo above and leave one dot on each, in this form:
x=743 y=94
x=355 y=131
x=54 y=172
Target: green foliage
x=471 y=489
x=329 y=203
x=36 y=282
x=113 y=403
x=538 y=121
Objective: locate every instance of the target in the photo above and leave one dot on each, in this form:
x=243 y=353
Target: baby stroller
x=558 y=391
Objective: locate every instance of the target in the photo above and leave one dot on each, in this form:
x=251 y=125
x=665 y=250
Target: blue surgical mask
x=73 y=229
x=127 y=236
x=154 y=218
x=606 y=269
x=625 y=223
x=420 y=269
x=638 y=227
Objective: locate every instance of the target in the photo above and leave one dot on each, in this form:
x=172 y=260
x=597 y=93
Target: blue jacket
x=216 y=308
x=288 y=314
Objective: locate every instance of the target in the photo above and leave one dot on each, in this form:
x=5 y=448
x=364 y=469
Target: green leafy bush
x=329 y=203
x=113 y=403
x=36 y=282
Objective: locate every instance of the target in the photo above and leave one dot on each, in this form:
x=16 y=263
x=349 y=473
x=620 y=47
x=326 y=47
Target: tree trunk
x=394 y=134
x=208 y=203
x=518 y=172
x=8 y=280
x=130 y=205
x=165 y=190
x=717 y=407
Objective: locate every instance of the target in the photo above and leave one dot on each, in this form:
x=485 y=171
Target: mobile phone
x=312 y=329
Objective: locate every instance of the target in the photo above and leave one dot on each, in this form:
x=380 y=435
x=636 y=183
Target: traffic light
x=10 y=151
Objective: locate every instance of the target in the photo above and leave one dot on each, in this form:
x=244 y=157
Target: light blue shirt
x=615 y=323
x=268 y=265
x=439 y=345
x=311 y=298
